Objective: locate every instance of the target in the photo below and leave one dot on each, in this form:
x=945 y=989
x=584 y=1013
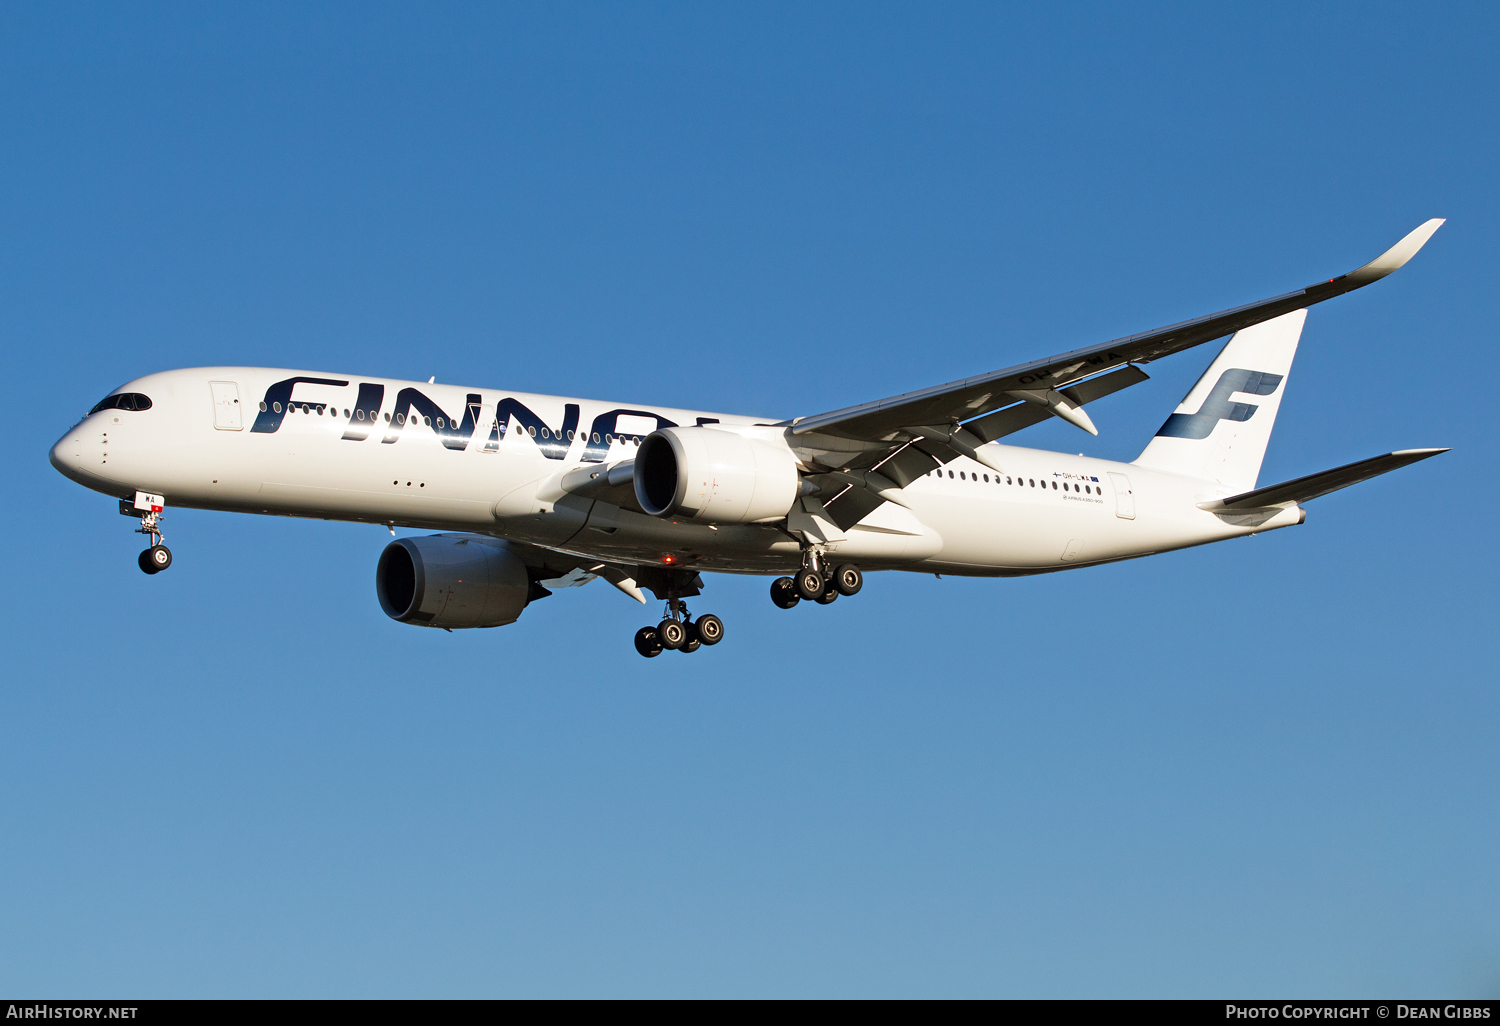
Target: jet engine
x=713 y=475
x=451 y=580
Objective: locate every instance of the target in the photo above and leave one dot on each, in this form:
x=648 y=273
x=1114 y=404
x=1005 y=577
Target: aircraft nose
x=67 y=455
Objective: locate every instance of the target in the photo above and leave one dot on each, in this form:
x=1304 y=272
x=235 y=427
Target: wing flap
x=1013 y=418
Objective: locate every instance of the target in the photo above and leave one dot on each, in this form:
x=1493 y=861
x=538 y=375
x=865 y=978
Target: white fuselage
x=206 y=443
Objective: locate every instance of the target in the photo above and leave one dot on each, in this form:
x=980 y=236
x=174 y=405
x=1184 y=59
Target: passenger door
x=227 y=415
x=1124 y=497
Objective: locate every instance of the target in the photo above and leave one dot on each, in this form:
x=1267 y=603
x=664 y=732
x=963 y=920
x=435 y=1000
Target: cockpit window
x=123 y=401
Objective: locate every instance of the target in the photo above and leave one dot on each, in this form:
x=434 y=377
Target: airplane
x=530 y=494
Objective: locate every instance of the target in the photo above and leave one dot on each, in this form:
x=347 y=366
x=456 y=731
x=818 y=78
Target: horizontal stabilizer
x=1290 y=493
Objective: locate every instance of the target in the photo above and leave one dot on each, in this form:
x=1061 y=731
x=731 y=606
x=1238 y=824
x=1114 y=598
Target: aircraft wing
x=868 y=453
x=960 y=401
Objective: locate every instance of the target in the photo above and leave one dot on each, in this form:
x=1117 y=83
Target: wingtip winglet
x=1397 y=256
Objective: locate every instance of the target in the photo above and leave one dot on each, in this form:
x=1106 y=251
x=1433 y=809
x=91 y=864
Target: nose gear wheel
x=155 y=559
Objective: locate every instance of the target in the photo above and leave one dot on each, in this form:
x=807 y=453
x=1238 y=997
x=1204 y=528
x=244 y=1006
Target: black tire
x=848 y=579
x=784 y=592
x=710 y=629
x=692 y=644
x=671 y=634
x=830 y=594
x=144 y=562
x=809 y=584
x=160 y=557
x=646 y=642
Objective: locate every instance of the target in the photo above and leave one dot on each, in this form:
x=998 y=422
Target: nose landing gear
x=149 y=508
x=679 y=632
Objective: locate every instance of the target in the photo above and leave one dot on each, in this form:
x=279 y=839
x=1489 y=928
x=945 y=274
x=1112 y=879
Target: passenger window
x=1054 y=486
x=427 y=422
x=986 y=479
x=545 y=434
x=596 y=436
x=531 y=431
x=1033 y=482
x=961 y=476
x=950 y=475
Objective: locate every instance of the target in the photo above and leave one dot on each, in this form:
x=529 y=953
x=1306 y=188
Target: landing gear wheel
x=155 y=559
x=848 y=579
x=710 y=629
x=671 y=634
x=830 y=594
x=693 y=642
x=809 y=584
x=784 y=592
x=647 y=643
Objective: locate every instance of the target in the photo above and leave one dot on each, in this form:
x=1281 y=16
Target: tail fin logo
x=1217 y=406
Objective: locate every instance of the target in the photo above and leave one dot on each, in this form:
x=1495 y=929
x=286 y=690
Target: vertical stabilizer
x=1220 y=431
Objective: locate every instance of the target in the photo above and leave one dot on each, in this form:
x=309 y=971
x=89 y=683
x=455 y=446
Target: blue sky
x=1266 y=767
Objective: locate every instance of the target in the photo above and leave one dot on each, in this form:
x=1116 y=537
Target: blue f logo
x=1217 y=406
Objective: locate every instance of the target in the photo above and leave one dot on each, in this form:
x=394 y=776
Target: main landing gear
x=679 y=632
x=815 y=584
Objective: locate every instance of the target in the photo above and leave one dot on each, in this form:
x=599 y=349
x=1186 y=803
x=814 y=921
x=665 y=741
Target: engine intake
x=451 y=580
x=713 y=475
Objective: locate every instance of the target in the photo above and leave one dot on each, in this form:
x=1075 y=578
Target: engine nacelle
x=451 y=580
x=708 y=474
